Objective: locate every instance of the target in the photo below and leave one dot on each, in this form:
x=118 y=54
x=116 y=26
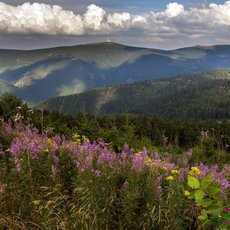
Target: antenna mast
x=108 y=40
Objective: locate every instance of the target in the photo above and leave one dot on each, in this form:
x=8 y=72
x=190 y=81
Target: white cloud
x=174 y=9
x=93 y=18
x=173 y=23
x=119 y=19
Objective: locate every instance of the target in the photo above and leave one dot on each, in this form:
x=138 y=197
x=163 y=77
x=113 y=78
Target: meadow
x=48 y=181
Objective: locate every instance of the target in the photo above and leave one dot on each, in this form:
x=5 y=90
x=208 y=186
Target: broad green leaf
x=193 y=182
x=206 y=203
x=192 y=195
x=216 y=205
x=199 y=195
x=214 y=212
x=212 y=190
x=204 y=212
x=206 y=181
x=226 y=216
x=202 y=218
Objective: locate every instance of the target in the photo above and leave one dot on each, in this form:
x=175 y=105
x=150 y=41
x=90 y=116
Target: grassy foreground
x=49 y=182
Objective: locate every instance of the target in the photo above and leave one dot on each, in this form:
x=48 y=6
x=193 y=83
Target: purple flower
x=159 y=190
x=226 y=210
x=97 y=173
x=125 y=185
x=224 y=184
x=189 y=153
x=56 y=160
x=123 y=155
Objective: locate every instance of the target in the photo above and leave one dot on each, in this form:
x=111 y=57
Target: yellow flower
x=195 y=171
x=76 y=135
x=77 y=142
x=84 y=138
x=169 y=178
x=174 y=171
x=49 y=202
x=148 y=161
x=49 y=141
x=36 y=202
x=186 y=193
x=46 y=150
x=164 y=168
x=138 y=153
x=8 y=150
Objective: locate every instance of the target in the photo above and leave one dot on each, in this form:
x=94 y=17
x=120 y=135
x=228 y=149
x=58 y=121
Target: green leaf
x=214 y=212
x=204 y=212
x=216 y=205
x=206 y=181
x=199 y=195
x=212 y=190
x=193 y=182
x=205 y=203
x=192 y=195
x=226 y=216
x=202 y=218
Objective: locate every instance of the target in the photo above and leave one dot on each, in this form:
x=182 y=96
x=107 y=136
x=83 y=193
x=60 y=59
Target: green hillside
x=61 y=71
x=197 y=96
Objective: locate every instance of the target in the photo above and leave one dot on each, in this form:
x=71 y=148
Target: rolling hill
x=197 y=96
x=39 y=74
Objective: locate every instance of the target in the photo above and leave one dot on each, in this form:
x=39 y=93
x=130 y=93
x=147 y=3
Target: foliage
x=48 y=180
x=207 y=196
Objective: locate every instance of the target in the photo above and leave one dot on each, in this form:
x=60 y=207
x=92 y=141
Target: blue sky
x=157 y=23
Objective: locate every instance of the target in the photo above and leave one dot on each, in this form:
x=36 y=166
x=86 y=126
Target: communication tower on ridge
x=108 y=39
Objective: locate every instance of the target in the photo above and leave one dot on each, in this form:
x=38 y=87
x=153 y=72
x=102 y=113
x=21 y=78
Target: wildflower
x=8 y=150
x=46 y=150
x=97 y=173
x=36 y=202
x=174 y=171
x=169 y=178
x=194 y=171
x=159 y=190
x=76 y=135
x=224 y=184
x=49 y=140
x=186 y=193
x=125 y=185
x=49 y=202
x=84 y=138
x=189 y=153
x=148 y=161
x=226 y=210
x=138 y=153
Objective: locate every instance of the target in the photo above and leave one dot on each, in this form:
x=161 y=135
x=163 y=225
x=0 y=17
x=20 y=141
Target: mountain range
x=35 y=75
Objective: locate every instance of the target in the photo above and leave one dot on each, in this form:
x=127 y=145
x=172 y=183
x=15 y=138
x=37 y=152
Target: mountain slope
x=40 y=74
x=200 y=96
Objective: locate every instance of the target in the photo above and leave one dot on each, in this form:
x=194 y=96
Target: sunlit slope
x=40 y=74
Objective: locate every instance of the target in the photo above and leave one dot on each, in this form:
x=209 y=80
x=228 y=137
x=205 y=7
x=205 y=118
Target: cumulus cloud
x=173 y=23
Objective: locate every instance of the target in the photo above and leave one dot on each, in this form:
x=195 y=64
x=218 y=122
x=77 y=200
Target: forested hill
x=198 y=96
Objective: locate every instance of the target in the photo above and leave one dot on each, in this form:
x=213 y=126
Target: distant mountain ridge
x=197 y=96
x=39 y=74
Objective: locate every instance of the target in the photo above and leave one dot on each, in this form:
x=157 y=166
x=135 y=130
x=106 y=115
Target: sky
x=159 y=24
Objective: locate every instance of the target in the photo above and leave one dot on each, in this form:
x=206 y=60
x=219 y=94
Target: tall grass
x=49 y=182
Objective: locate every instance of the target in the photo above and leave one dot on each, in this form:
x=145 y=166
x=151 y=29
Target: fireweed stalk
x=96 y=183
